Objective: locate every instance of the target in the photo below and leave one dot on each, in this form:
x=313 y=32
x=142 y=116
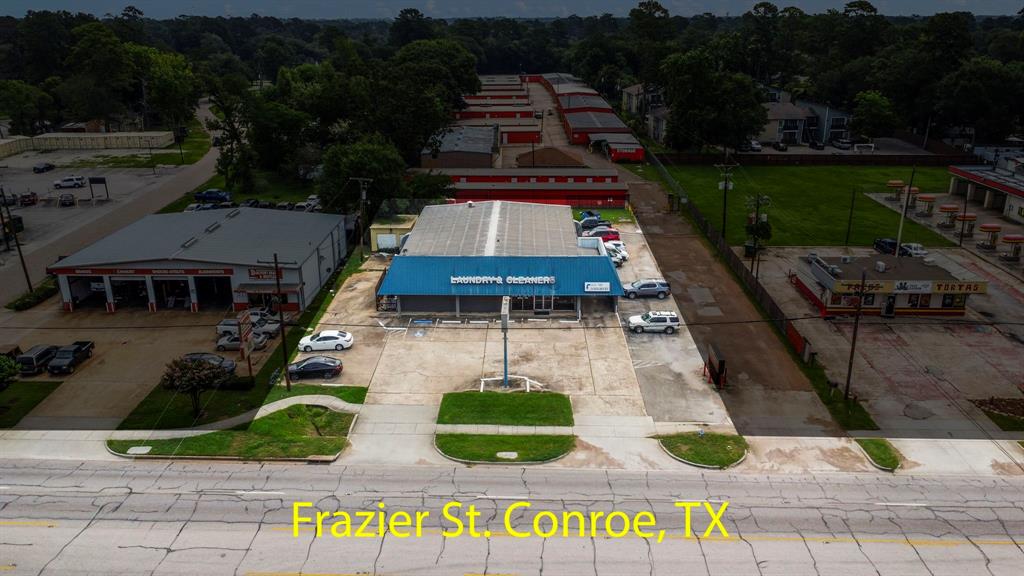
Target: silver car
x=654 y=321
x=648 y=287
x=233 y=342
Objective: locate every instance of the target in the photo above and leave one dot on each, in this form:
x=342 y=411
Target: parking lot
x=917 y=375
x=132 y=347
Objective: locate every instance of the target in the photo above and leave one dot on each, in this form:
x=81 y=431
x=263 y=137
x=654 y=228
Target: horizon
x=456 y=9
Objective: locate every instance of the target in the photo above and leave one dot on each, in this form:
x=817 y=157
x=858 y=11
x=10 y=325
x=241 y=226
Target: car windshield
x=314 y=336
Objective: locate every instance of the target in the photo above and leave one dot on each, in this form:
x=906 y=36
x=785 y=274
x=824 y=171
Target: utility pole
x=903 y=213
x=963 y=220
x=280 y=314
x=364 y=183
x=849 y=219
x=725 y=185
x=856 y=324
x=3 y=221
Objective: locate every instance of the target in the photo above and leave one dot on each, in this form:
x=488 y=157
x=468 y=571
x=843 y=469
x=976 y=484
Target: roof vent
x=879 y=266
x=213 y=227
x=469 y=204
x=847 y=259
x=233 y=213
x=188 y=243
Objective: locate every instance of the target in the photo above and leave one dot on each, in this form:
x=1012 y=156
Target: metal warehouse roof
x=466 y=139
x=560 y=186
x=555 y=78
x=501 y=276
x=597 y=173
x=585 y=101
x=594 y=120
x=992 y=177
x=483 y=107
x=240 y=236
x=493 y=229
x=530 y=122
x=614 y=138
x=500 y=79
x=574 y=88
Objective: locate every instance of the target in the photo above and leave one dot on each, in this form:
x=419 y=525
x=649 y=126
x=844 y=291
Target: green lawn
x=610 y=214
x=485 y=447
x=270 y=186
x=508 y=408
x=20 y=398
x=195 y=146
x=881 y=452
x=709 y=449
x=1005 y=422
x=165 y=409
x=295 y=432
x=810 y=204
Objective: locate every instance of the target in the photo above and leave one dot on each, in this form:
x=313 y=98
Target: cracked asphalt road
x=60 y=517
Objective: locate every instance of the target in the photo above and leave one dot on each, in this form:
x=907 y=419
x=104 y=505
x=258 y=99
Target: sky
x=317 y=9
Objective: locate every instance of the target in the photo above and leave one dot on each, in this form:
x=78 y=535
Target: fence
x=86 y=141
x=795 y=159
x=800 y=345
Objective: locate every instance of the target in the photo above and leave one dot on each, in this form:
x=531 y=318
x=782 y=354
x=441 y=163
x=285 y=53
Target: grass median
x=881 y=452
x=296 y=432
x=506 y=408
x=708 y=449
x=20 y=398
x=486 y=447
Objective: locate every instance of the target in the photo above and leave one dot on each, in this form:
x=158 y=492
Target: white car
x=618 y=245
x=915 y=249
x=755 y=146
x=327 y=340
x=70 y=182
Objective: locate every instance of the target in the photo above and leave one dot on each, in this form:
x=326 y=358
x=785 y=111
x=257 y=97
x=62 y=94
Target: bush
x=8 y=371
x=43 y=291
x=238 y=383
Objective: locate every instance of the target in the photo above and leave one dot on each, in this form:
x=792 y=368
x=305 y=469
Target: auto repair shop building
x=463 y=258
x=207 y=259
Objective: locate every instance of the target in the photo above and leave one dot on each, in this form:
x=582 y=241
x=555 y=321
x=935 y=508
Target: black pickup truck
x=68 y=357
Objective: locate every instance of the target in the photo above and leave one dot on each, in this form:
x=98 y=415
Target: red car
x=605 y=235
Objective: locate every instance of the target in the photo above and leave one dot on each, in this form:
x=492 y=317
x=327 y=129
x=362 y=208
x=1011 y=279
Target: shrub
x=44 y=290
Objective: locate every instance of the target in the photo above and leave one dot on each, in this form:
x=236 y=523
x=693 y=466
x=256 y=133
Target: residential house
x=657 y=123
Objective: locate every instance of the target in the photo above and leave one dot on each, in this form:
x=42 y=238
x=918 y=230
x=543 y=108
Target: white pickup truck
x=266 y=327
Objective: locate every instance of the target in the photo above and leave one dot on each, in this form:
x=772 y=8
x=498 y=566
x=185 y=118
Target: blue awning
x=501 y=276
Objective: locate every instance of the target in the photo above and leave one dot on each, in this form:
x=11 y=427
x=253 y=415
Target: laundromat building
x=463 y=258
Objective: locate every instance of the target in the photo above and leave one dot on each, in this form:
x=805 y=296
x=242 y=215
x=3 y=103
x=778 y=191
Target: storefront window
x=913 y=299
x=565 y=303
x=954 y=300
x=926 y=301
x=869 y=299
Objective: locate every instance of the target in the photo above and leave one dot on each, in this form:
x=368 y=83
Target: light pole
x=280 y=314
x=903 y=213
x=364 y=183
x=856 y=324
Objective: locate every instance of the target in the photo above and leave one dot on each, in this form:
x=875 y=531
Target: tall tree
x=27 y=106
x=103 y=72
x=873 y=115
x=373 y=158
x=984 y=94
x=409 y=26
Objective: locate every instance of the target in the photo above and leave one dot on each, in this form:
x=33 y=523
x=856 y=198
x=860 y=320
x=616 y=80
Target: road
x=60 y=517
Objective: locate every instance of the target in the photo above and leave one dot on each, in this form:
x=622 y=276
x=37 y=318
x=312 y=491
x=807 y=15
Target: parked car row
x=53 y=359
x=215 y=198
x=755 y=146
x=888 y=246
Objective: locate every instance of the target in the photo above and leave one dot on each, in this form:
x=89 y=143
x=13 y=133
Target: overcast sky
x=466 y=8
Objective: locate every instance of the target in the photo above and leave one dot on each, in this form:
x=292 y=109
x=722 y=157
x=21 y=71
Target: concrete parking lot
x=917 y=375
x=132 y=349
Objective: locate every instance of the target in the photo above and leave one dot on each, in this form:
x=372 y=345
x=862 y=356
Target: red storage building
x=619 y=147
x=495 y=112
x=529 y=175
x=575 y=194
x=578 y=125
x=520 y=134
x=481 y=97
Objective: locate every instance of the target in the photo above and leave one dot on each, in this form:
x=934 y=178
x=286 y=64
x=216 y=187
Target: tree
x=709 y=106
x=102 y=74
x=650 y=21
x=372 y=157
x=984 y=94
x=8 y=371
x=443 y=64
x=275 y=131
x=409 y=26
x=169 y=87
x=192 y=378
x=27 y=106
x=873 y=114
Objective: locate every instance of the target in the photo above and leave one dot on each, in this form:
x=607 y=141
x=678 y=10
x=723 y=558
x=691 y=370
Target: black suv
x=888 y=246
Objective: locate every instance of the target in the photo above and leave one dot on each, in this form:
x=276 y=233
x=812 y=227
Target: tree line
x=368 y=96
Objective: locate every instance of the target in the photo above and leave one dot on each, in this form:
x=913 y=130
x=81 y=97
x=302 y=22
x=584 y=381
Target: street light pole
x=903 y=213
x=17 y=243
x=856 y=324
x=726 y=184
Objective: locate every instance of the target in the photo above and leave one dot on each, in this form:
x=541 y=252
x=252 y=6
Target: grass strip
x=1005 y=422
x=20 y=398
x=881 y=452
x=708 y=449
x=296 y=432
x=506 y=408
x=485 y=447
x=44 y=290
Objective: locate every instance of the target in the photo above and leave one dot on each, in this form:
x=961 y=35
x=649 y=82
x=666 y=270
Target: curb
x=699 y=465
x=872 y=460
x=433 y=442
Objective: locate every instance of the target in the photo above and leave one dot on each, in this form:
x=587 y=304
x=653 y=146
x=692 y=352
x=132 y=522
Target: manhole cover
x=507 y=455
x=917 y=412
x=140 y=449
